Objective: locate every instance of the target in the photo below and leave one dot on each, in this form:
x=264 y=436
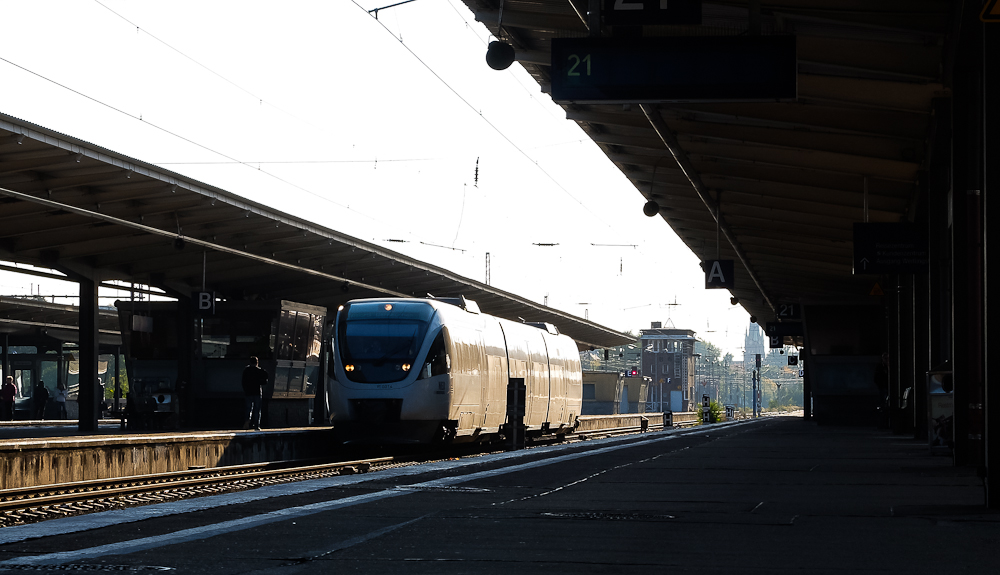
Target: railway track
x=33 y=504
x=29 y=505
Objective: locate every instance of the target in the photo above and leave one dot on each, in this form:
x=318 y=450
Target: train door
x=467 y=378
x=496 y=376
x=546 y=387
x=518 y=364
x=530 y=346
x=557 y=400
x=482 y=378
x=496 y=391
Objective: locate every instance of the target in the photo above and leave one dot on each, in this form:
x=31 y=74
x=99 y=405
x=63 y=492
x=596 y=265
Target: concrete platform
x=24 y=429
x=45 y=453
x=778 y=495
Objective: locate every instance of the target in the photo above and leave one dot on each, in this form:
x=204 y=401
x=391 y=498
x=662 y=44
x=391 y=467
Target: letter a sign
x=719 y=274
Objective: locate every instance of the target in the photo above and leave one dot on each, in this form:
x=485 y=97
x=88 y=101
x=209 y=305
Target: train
x=438 y=370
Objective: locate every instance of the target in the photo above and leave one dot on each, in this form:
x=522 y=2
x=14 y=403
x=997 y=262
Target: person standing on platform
x=7 y=395
x=60 y=399
x=39 y=398
x=254 y=380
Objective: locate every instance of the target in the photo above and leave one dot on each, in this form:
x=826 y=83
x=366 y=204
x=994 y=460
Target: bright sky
x=371 y=127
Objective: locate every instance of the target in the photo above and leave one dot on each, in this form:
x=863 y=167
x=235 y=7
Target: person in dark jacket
x=254 y=380
x=8 y=393
x=39 y=398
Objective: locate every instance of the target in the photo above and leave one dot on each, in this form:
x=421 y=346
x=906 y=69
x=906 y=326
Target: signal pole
x=756 y=387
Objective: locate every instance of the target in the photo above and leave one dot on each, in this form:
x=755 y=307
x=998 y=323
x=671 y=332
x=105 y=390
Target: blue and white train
x=426 y=370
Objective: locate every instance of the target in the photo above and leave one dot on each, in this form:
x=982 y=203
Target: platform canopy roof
x=775 y=186
x=25 y=318
x=86 y=211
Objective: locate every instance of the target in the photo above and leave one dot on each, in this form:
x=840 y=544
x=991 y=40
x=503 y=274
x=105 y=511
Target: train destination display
x=673 y=69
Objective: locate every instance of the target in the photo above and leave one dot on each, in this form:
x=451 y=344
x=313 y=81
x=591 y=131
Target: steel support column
x=6 y=354
x=921 y=361
x=966 y=236
x=87 y=398
x=904 y=400
x=891 y=402
x=991 y=176
x=939 y=245
x=187 y=354
x=806 y=384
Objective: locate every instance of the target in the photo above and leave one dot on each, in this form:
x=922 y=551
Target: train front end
x=391 y=369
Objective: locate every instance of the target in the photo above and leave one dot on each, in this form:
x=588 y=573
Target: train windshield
x=379 y=341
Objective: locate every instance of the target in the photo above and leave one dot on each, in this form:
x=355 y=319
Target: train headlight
x=349 y=367
x=388 y=307
x=406 y=367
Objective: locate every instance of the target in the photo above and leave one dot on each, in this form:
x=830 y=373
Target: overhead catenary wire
x=485 y=42
x=200 y=65
x=496 y=129
x=184 y=138
x=257 y=165
x=488 y=122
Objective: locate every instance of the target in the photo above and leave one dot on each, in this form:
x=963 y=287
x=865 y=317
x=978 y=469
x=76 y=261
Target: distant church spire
x=753 y=344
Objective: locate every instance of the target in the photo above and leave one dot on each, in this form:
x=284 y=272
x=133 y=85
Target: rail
x=26 y=504
x=685 y=419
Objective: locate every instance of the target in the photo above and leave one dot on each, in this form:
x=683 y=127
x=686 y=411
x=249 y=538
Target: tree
x=781 y=384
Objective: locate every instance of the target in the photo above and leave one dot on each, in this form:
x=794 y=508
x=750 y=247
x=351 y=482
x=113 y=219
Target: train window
x=286 y=330
x=380 y=340
x=438 y=362
x=301 y=335
x=316 y=338
x=214 y=337
x=160 y=342
x=225 y=337
x=589 y=391
x=24 y=349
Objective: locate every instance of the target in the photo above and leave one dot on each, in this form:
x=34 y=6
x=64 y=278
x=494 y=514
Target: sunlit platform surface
x=777 y=495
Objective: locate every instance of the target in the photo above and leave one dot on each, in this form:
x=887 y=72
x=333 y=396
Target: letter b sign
x=204 y=303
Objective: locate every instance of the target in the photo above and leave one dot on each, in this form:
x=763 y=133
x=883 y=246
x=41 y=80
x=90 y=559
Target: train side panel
x=495 y=394
x=467 y=360
x=526 y=344
x=567 y=381
x=517 y=355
